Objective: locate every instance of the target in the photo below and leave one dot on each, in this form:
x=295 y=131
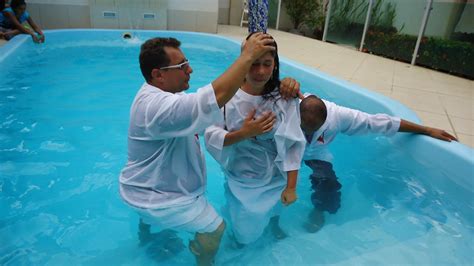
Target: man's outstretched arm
x=407 y=126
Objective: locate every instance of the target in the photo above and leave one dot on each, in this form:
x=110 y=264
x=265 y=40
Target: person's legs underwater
x=144 y=234
x=255 y=206
x=205 y=245
x=160 y=246
x=326 y=195
x=275 y=228
x=197 y=216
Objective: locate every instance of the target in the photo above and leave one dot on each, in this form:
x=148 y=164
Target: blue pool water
x=63 y=123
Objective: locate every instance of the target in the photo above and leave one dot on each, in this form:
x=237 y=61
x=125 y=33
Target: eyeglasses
x=183 y=66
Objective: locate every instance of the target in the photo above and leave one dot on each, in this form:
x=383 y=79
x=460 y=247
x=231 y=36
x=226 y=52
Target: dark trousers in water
x=326 y=195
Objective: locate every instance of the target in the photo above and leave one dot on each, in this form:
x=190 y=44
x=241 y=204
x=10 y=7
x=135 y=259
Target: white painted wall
x=224 y=11
x=188 y=5
x=224 y=3
x=194 y=5
x=59 y=2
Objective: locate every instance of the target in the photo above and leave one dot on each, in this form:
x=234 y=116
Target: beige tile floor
x=439 y=99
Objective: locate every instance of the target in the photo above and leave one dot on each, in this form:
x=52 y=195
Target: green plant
x=383 y=18
x=316 y=20
x=304 y=11
x=447 y=55
x=346 y=12
x=349 y=16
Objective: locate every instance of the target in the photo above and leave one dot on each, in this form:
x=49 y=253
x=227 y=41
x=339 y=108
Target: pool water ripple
x=63 y=143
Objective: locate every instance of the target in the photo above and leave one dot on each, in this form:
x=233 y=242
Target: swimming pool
x=63 y=126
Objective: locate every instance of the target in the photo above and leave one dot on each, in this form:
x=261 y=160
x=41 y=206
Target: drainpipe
x=278 y=14
x=326 y=22
x=366 y=26
x=428 y=8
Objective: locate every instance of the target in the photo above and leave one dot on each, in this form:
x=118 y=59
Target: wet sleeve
x=355 y=122
x=178 y=115
x=289 y=138
x=214 y=138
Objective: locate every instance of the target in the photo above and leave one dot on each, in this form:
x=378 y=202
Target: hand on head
x=257 y=45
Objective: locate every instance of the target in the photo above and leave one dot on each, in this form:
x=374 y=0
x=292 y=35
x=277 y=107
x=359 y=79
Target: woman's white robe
x=256 y=168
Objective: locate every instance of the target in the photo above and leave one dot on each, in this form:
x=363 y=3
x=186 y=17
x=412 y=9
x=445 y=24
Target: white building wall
x=58 y=14
x=188 y=15
x=224 y=12
x=193 y=15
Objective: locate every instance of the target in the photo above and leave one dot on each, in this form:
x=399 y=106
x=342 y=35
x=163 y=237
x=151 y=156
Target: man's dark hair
x=272 y=87
x=153 y=55
x=17 y=3
x=2 y=5
x=313 y=110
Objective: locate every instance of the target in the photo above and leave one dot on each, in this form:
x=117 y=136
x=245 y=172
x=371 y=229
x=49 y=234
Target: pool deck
x=440 y=100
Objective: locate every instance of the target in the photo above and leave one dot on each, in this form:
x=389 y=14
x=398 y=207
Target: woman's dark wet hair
x=17 y=3
x=272 y=87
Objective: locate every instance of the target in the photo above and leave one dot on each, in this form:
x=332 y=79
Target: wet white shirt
x=350 y=122
x=254 y=158
x=165 y=163
x=256 y=168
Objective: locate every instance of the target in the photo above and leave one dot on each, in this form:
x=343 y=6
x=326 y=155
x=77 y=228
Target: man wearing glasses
x=164 y=178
